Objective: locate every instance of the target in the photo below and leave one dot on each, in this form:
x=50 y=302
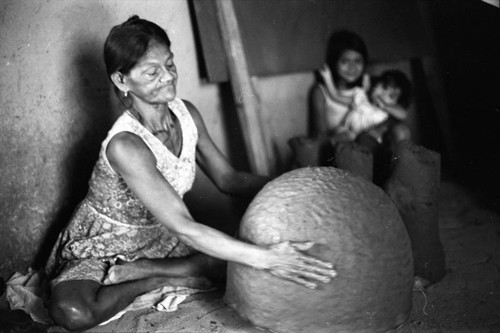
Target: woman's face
x=154 y=78
x=350 y=66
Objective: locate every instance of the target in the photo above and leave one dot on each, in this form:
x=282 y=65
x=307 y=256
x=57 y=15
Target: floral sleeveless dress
x=111 y=223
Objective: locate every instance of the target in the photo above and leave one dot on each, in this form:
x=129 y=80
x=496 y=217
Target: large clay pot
x=355 y=226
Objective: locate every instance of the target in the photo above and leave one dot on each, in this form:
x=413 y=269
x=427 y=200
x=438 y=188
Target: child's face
x=350 y=66
x=389 y=94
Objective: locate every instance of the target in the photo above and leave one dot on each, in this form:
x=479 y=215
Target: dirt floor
x=467 y=299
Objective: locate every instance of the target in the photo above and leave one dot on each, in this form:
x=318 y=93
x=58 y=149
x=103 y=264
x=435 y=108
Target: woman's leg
x=196 y=265
x=82 y=304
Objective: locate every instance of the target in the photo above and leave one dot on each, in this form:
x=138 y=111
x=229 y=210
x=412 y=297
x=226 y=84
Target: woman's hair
x=341 y=41
x=398 y=79
x=129 y=41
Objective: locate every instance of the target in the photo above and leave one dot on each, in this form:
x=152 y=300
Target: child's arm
x=395 y=111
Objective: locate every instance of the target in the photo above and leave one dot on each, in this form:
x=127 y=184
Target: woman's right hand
x=288 y=262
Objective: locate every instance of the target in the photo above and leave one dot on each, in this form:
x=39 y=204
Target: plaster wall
x=56 y=105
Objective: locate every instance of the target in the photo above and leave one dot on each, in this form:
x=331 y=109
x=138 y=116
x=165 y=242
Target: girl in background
x=344 y=71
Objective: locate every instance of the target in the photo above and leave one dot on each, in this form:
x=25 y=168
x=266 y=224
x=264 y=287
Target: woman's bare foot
x=124 y=271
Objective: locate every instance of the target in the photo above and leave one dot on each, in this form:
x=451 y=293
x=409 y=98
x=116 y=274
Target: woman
x=132 y=233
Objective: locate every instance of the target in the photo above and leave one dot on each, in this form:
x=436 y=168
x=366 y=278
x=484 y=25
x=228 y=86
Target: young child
x=377 y=119
x=379 y=108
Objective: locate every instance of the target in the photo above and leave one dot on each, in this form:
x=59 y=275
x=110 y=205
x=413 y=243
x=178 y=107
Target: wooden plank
x=432 y=71
x=247 y=103
x=267 y=29
x=436 y=91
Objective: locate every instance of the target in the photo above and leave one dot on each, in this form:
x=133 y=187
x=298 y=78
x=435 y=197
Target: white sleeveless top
x=178 y=171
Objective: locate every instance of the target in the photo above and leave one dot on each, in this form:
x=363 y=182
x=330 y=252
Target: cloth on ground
x=27 y=292
x=166 y=298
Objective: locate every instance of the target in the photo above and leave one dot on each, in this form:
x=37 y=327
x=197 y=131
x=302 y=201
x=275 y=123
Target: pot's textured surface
x=355 y=226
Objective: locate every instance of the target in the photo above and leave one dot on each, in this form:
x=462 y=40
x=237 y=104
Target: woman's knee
x=73 y=315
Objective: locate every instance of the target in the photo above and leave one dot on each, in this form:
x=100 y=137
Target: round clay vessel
x=355 y=226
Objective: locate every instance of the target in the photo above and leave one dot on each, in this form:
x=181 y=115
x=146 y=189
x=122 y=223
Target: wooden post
x=432 y=71
x=247 y=103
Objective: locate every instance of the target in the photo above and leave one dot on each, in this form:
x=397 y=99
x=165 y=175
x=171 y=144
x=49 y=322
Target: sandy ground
x=467 y=299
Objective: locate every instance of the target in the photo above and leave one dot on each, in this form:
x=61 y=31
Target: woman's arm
x=131 y=158
x=216 y=166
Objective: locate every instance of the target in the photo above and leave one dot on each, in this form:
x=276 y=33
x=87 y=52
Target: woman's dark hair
x=129 y=41
x=398 y=79
x=341 y=41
